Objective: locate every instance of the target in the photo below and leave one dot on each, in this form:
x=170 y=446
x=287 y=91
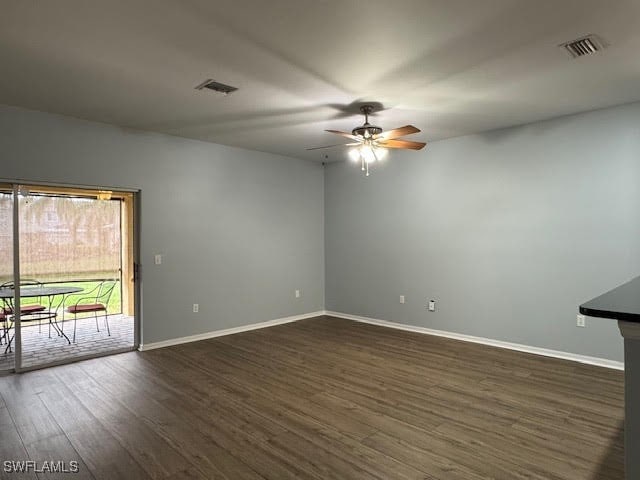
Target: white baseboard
x=228 y=331
x=600 y=362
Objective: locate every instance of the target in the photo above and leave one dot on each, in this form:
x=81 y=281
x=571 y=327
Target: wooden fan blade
x=402 y=144
x=397 y=132
x=344 y=134
x=336 y=145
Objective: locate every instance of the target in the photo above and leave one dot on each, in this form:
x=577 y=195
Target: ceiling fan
x=371 y=142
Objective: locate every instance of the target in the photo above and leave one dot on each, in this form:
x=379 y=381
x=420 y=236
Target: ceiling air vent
x=584 y=46
x=216 y=87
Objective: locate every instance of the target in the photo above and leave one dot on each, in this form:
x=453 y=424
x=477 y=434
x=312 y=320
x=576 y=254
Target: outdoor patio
x=39 y=349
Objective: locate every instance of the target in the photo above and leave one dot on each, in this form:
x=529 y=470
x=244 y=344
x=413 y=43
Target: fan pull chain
x=367 y=169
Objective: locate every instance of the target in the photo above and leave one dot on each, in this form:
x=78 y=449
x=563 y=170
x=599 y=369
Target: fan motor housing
x=372 y=129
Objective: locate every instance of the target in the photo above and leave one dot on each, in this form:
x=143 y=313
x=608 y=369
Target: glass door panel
x=71 y=257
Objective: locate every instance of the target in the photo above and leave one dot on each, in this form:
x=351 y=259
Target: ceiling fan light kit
x=370 y=142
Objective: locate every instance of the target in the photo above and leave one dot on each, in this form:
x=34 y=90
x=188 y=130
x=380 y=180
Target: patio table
x=7 y=296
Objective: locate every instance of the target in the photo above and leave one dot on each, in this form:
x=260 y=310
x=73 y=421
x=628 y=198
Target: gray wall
x=239 y=230
x=509 y=231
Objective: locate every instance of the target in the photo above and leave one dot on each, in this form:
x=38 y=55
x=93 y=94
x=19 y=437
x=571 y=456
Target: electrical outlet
x=581 y=321
x=401 y=298
x=196 y=308
x=158 y=259
x=432 y=305
x=298 y=294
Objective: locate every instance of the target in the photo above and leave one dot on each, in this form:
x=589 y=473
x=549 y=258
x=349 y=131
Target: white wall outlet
x=196 y=308
x=401 y=298
x=581 y=321
x=158 y=259
x=298 y=294
x=432 y=305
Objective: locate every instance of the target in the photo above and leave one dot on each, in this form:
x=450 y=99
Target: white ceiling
x=450 y=67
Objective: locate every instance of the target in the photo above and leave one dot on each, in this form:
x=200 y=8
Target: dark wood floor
x=320 y=398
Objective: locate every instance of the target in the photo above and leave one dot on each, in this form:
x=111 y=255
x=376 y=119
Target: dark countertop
x=621 y=303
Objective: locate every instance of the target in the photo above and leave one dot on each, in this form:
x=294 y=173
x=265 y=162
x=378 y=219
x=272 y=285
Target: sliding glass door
x=74 y=290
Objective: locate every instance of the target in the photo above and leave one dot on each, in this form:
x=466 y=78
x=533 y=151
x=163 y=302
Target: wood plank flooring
x=318 y=399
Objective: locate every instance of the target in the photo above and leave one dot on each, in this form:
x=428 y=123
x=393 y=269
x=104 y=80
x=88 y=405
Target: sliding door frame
x=131 y=203
x=17 y=307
